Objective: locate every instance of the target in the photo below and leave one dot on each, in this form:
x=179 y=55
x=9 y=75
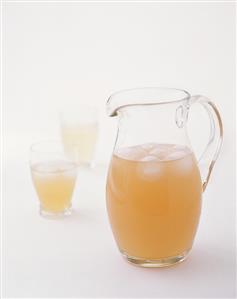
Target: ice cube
x=156 y=151
x=177 y=154
x=149 y=158
x=124 y=152
x=165 y=145
x=184 y=165
x=46 y=167
x=160 y=153
x=179 y=147
x=148 y=146
x=150 y=170
x=162 y=148
x=131 y=153
x=52 y=167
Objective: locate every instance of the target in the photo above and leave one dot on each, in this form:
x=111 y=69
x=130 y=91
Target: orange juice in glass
x=79 y=132
x=54 y=178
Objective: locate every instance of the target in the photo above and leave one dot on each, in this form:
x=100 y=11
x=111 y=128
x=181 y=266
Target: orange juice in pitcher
x=154 y=189
x=154 y=223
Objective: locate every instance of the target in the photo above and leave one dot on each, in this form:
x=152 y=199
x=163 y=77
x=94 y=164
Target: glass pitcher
x=154 y=185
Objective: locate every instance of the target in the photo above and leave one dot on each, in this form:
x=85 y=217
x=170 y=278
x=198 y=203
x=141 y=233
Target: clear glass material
x=79 y=131
x=54 y=177
x=154 y=184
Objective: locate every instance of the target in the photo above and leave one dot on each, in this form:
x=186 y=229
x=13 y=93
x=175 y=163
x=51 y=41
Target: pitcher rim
x=187 y=96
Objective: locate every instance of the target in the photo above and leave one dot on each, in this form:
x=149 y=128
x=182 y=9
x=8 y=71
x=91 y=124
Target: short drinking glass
x=54 y=177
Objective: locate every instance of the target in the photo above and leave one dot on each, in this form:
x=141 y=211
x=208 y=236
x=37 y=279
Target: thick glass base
x=53 y=215
x=159 y=263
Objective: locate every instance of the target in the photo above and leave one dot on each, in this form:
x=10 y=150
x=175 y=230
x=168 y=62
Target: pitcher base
x=159 y=263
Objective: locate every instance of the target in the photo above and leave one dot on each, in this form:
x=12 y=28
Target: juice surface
x=54 y=183
x=154 y=199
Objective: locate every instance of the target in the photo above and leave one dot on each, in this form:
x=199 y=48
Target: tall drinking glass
x=79 y=130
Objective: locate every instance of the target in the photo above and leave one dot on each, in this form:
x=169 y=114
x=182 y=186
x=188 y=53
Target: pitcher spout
x=144 y=96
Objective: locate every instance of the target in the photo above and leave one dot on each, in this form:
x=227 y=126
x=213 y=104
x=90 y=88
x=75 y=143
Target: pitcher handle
x=210 y=154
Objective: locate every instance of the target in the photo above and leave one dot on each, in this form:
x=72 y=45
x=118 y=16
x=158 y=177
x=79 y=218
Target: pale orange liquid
x=80 y=141
x=154 y=200
x=54 y=183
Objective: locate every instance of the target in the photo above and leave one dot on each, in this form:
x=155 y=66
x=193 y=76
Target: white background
x=70 y=53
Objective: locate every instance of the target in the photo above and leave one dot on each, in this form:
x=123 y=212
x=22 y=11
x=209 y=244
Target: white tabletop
x=60 y=55
x=77 y=256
